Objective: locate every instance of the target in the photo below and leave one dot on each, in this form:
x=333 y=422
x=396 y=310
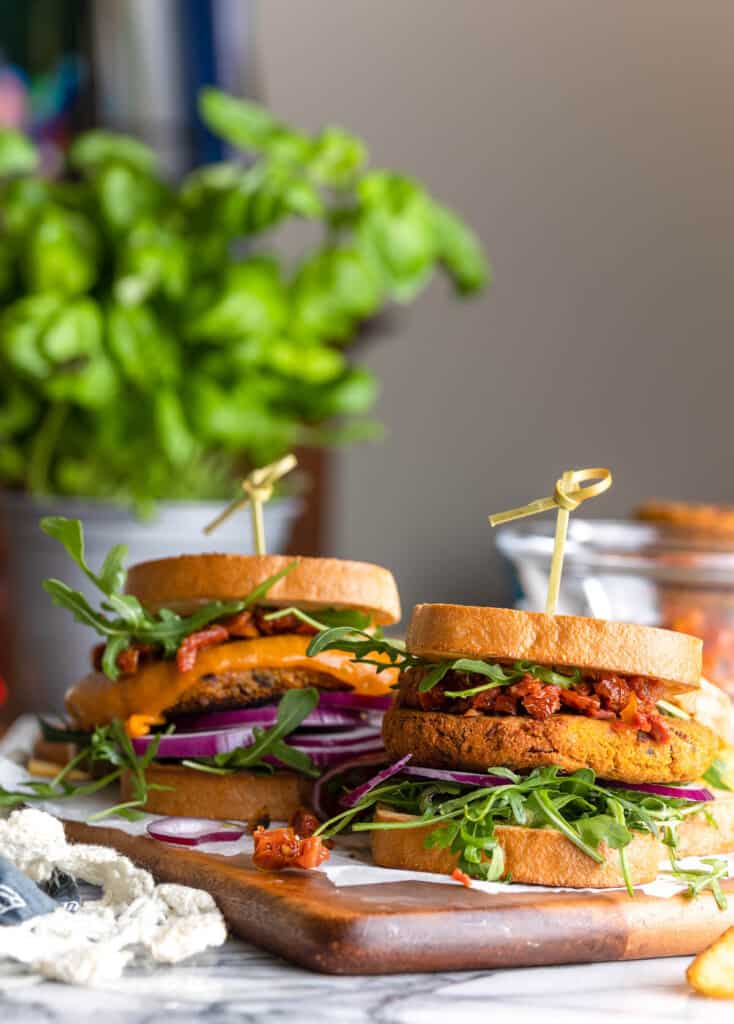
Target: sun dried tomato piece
x=241 y=625
x=539 y=700
x=613 y=692
x=658 y=729
x=304 y=822
x=190 y=647
x=127 y=660
x=587 y=705
x=286 y=624
x=283 y=848
x=312 y=853
x=461 y=876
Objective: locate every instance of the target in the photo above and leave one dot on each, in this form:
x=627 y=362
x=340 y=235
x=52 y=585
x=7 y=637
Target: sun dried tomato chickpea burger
x=531 y=746
x=202 y=688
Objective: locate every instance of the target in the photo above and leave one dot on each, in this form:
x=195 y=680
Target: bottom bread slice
x=243 y=796
x=710 y=830
x=533 y=856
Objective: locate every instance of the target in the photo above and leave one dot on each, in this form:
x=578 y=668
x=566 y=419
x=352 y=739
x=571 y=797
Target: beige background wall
x=591 y=144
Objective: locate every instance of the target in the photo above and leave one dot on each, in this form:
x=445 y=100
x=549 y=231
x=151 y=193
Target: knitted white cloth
x=94 y=945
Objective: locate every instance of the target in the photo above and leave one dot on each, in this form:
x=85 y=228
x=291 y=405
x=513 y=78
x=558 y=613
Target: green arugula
x=586 y=812
x=131 y=622
x=700 y=879
x=328 y=618
x=292 y=709
x=108 y=745
x=361 y=644
x=718 y=775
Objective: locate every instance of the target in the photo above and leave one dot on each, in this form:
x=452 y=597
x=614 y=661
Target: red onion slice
x=264 y=716
x=349 y=699
x=696 y=794
x=345 y=737
x=193 y=831
x=319 y=794
x=323 y=747
x=355 y=795
x=466 y=778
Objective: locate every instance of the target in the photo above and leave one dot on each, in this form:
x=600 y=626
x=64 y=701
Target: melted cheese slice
x=97 y=700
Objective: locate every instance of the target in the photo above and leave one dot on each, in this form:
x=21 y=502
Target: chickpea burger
x=545 y=749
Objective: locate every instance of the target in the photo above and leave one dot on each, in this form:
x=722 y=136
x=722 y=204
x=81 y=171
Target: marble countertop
x=237 y=984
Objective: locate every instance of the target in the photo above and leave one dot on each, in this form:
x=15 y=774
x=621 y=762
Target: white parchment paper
x=348 y=864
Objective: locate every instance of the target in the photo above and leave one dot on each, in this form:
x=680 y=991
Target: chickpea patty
x=475 y=743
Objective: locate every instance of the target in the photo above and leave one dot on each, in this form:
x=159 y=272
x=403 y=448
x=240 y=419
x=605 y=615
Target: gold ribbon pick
x=573 y=488
x=258 y=487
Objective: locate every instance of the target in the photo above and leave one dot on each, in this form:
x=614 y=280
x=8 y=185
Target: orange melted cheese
x=158 y=686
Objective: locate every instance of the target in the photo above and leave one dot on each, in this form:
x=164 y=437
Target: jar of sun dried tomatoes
x=672 y=566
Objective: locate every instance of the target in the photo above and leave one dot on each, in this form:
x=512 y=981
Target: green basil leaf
x=18 y=155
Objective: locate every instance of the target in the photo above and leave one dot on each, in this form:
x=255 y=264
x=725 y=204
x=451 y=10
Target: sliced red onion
x=264 y=716
x=325 y=757
x=355 y=795
x=349 y=699
x=320 y=788
x=696 y=794
x=322 y=747
x=466 y=778
x=193 y=831
x=346 y=737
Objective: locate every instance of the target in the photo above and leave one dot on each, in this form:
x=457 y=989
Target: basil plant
x=153 y=338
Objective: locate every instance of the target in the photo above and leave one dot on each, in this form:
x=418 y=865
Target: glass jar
x=635 y=572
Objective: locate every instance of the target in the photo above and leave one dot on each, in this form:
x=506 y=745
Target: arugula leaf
x=294 y=706
x=718 y=775
x=108 y=744
x=133 y=623
x=587 y=813
x=328 y=618
x=700 y=879
x=672 y=710
x=360 y=644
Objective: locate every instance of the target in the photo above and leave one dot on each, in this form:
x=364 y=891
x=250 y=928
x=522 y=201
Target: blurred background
x=587 y=148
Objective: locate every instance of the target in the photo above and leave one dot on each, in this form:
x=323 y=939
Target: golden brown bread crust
x=244 y=796
x=532 y=856
x=475 y=743
x=698 y=837
x=439 y=631
x=188 y=581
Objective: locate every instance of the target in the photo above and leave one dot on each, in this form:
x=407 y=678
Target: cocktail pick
x=258 y=488
x=574 y=487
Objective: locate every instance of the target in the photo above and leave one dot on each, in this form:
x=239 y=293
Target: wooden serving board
x=392 y=927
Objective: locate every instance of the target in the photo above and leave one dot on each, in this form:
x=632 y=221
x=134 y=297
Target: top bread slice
x=444 y=631
x=185 y=583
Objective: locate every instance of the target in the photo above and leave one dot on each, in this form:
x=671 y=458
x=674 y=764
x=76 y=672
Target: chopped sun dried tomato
x=190 y=647
x=127 y=660
x=284 y=848
x=304 y=822
x=461 y=876
x=241 y=625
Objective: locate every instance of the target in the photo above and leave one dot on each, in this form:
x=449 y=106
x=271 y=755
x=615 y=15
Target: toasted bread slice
x=533 y=856
x=243 y=796
x=710 y=830
x=184 y=583
x=439 y=631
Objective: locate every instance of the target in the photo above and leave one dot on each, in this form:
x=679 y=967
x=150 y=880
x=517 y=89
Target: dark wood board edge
x=399 y=927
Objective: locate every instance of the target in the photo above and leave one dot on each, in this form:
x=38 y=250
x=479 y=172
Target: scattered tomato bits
x=281 y=848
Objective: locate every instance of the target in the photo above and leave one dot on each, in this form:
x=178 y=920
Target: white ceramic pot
x=48 y=650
